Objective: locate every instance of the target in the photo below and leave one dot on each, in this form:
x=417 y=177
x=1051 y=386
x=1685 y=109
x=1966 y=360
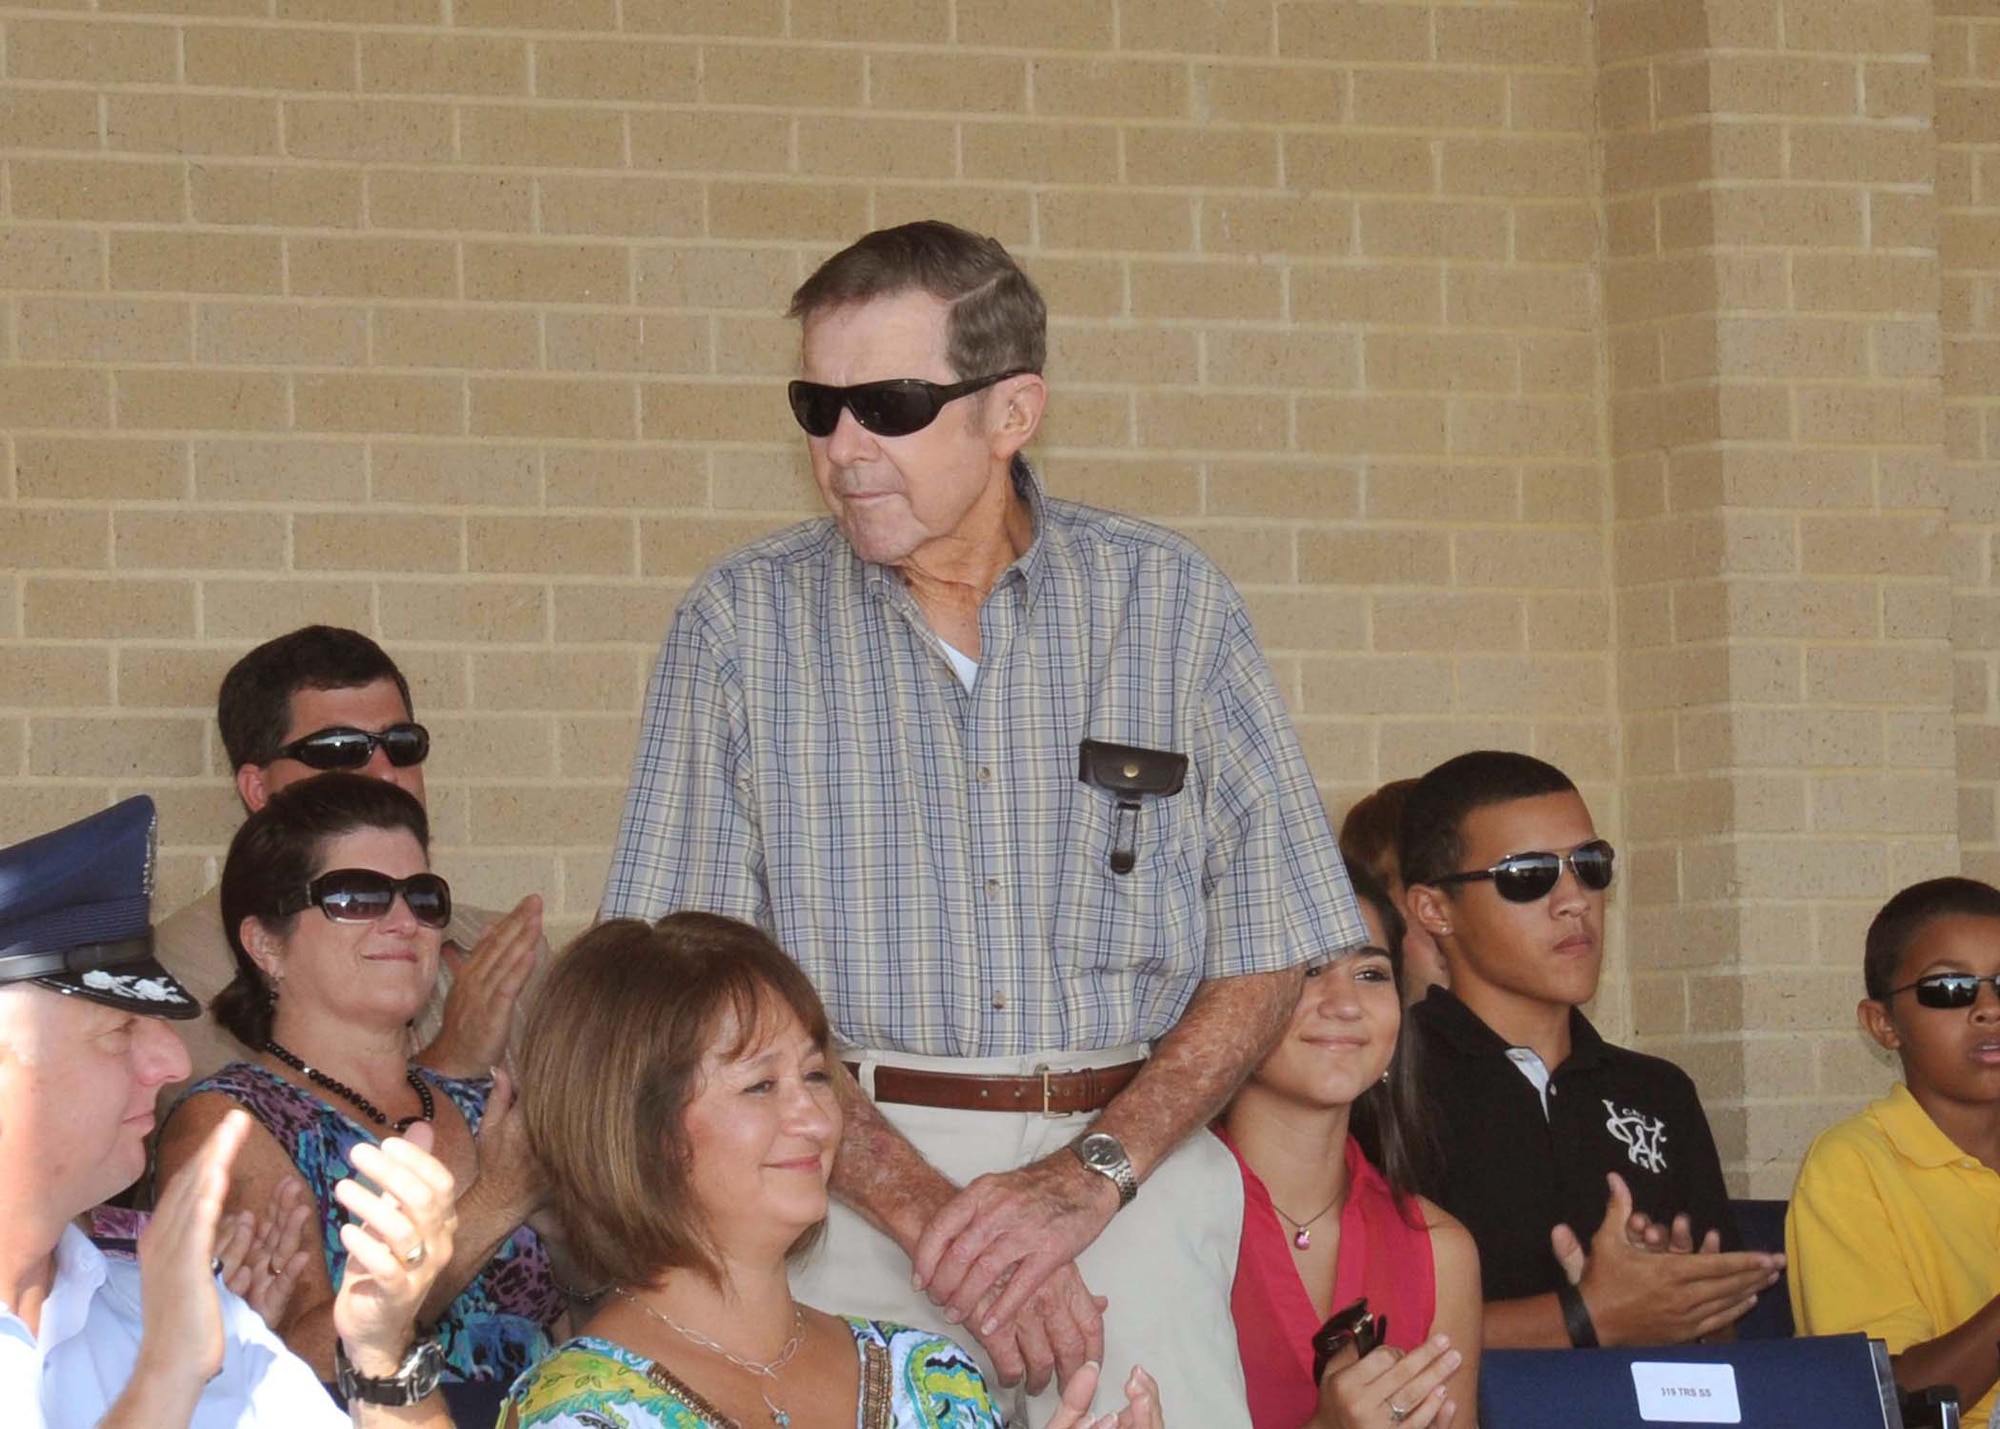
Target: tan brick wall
x=458 y=321
x=1968 y=135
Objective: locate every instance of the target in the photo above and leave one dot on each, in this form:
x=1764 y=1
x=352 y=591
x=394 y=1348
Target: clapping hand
x=1387 y=1387
x=1644 y=1286
x=1142 y=1403
x=398 y=1243
x=510 y=1184
x=486 y=983
x=263 y=1252
x=183 y=1340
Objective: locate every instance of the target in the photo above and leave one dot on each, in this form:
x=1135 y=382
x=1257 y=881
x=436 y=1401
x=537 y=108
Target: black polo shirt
x=1511 y=1173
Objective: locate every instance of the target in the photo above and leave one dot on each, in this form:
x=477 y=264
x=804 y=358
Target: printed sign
x=1686 y=1393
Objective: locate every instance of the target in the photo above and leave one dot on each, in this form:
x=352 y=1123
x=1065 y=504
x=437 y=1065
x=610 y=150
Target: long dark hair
x=276 y=852
x=1391 y=1119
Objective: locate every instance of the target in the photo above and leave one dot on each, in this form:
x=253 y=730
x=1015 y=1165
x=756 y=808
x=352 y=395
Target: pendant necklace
x=341 y=1089
x=1302 y=1235
x=767 y=1370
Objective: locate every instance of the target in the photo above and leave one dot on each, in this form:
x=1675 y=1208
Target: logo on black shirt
x=1641 y=1134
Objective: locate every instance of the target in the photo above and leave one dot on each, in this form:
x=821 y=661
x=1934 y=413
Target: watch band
x=413 y=1382
x=1576 y=1317
x=1117 y=1169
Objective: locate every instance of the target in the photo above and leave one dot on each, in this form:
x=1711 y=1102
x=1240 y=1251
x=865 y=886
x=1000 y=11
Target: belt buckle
x=1043 y=1070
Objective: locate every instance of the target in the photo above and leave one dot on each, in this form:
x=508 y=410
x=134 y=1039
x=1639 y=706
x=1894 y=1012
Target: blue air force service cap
x=75 y=914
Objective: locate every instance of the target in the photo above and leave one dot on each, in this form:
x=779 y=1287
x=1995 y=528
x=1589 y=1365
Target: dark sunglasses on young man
x=1525 y=877
x=893 y=408
x=362 y=895
x=343 y=748
x=1948 y=989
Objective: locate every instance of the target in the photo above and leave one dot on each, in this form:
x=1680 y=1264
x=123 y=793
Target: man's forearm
x=1228 y=1028
x=154 y=1399
x=1963 y=1357
x=880 y=1174
x=1534 y=1322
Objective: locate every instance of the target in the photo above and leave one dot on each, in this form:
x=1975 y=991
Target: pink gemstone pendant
x=1304 y=1239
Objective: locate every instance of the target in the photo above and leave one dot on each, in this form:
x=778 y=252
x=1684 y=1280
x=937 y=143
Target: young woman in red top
x=1326 y=1133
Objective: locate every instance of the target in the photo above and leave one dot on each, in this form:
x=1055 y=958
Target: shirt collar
x=1029 y=570
x=1462 y=1028
x=1917 y=1139
x=79 y=1275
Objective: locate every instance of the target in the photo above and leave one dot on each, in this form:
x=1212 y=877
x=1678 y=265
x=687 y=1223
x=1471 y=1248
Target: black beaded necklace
x=341 y=1089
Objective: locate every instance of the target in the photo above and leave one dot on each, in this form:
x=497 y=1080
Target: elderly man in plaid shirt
x=1012 y=781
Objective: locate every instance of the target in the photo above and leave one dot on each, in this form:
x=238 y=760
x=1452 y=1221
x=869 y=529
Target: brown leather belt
x=1050 y=1093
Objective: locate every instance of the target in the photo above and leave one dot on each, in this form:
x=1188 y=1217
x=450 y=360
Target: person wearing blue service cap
x=86 y=1340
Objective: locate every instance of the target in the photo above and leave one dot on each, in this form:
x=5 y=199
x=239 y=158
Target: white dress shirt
x=71 y=1375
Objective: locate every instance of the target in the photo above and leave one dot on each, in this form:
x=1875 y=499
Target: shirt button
x=985 y=775
x=992 y=888
x=999 y=1001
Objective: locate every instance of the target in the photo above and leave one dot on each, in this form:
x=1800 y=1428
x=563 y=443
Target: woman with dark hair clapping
x=336 y=920
x=1328 y=1134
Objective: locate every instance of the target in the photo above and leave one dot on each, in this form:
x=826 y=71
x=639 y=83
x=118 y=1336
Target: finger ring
x=1397 y=1414
x=415 y=1256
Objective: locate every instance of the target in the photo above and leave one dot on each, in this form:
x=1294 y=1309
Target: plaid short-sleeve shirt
x=809 y=762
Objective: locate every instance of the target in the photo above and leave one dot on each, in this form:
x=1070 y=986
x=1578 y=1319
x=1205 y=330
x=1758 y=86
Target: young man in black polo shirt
x=1541 y=1125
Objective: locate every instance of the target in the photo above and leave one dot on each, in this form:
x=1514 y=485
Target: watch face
x=1101 y=1150
x=428 y=1369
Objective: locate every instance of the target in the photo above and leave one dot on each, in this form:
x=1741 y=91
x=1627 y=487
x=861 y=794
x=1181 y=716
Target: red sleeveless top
x=1382 y=1256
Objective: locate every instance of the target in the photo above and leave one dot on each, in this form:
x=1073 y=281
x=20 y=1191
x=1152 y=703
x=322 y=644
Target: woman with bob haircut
x=1327 y=1131
x=336 y=921
x=680 y=1093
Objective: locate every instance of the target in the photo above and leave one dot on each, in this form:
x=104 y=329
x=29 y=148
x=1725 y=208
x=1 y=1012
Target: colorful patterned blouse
x=910 y=1379
x=499 y=1324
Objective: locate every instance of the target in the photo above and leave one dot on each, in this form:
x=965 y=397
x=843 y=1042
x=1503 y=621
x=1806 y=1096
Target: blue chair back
x=1762 y=1225
x=1825 y=1382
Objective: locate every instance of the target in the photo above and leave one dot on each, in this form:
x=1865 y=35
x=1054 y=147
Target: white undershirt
x=1535 y=1070
x=962 y=664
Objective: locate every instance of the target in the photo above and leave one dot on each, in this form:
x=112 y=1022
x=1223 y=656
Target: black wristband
x=1576 y=1317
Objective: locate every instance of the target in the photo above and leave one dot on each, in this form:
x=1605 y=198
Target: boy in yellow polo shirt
x=1895 y=1221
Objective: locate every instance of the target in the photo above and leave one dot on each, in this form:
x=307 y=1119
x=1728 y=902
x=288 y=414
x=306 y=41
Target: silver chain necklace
x=767 y=1370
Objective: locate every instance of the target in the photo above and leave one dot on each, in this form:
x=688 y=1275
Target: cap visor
x=140 y=986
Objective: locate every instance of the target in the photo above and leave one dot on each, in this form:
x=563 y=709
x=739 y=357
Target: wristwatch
x=412 y=1382
x=1103 y=1153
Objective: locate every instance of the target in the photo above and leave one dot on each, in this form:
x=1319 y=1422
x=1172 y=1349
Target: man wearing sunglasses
x=1892 y=1222
x=1012 y=781
x=323 y=698
x=1545 y=1131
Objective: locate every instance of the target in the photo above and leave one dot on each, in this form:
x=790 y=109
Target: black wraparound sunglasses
x=1524 y=877
x=1947 y=989
x=893 y=408
x=343 y=748
x=364 y=895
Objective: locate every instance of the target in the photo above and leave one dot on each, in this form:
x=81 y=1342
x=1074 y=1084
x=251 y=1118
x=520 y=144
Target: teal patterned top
x=910 y=1379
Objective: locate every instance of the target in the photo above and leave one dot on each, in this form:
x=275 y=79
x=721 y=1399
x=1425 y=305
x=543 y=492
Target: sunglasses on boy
x=362 y=895
x=893 y=408
x=1525 y=877
x=343 y=748
x=1947 y=989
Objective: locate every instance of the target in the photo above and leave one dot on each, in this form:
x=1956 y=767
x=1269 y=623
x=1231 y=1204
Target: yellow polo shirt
x=1893 y=1231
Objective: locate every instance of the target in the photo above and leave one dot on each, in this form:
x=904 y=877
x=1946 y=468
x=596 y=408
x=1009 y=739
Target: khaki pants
x=1166 y=1262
